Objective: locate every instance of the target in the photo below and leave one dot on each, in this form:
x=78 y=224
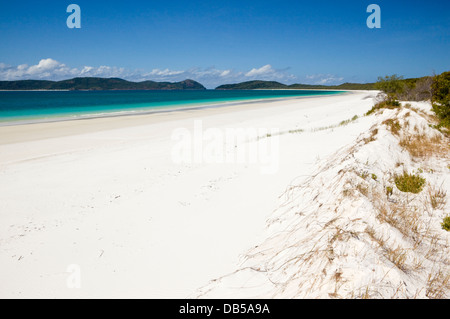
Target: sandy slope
x=339 y=234
x=106 y=196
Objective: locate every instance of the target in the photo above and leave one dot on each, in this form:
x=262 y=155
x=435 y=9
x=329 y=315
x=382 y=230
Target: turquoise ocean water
x=21 y=106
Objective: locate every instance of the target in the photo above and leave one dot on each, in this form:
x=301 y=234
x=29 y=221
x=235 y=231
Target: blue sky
x=216 y=42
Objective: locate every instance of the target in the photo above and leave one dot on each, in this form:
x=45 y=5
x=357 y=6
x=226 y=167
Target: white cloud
x=86 y=70
x=46 y=68
x=44 y=65
x=165 y=72
x=324 y=79
x=264 y=70
x=50 y=69
x=267 y=72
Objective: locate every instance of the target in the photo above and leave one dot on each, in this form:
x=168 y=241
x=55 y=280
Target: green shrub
x=446 y=223
x=389 y=191
x=409 y=183
x=390 y=104
x=441 y=97
x=417 y=89
x=386 y=104
x=391 y=85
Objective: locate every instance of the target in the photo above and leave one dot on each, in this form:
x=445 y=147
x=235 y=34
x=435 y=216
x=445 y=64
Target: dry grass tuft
x=421 y=146
x=437 y=197
x=372 y=136
x=438 y=284
x=393 y=125
x=363 y=189
x=398 y=257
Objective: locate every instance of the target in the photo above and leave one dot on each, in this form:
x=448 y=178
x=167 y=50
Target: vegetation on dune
x=422 y=146
x=385 y=104
x=446 y=223
x=397 y=88
x=402 y=199
x=409 y=183
x=441 y=98
x=393 y=125
x=436 y=89
x=391 y=85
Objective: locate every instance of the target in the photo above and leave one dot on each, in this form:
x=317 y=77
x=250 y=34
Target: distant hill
x=271 y=85
x=253 y=85
x=96 y=84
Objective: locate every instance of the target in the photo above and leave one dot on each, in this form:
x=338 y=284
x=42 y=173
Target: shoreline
x=154 y=110
x=22 y=132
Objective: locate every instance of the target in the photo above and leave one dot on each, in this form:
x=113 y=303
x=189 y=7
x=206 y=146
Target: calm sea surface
x=53 y=105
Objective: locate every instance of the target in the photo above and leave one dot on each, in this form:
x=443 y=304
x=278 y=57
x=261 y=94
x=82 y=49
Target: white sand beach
x=100 y=209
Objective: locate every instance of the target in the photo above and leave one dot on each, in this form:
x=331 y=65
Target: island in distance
x=98 y=84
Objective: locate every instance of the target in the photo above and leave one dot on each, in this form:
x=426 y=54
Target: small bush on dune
x=389 y=191
x=409 y=183
x=391 y=86
x=446 y=223
x=389 y=104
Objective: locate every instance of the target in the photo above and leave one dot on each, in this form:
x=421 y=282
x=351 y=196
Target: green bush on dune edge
x=441 y=98
x=436 y=89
